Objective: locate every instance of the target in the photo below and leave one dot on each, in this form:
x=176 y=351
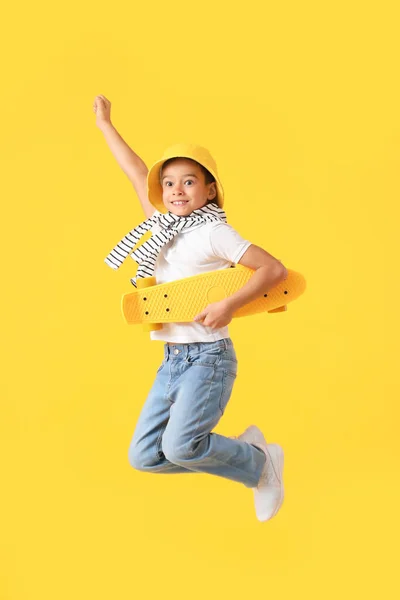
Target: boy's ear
x=212 y=192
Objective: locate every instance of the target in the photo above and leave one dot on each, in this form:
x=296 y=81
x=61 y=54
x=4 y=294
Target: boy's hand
x=215 y=315
x=102 y=108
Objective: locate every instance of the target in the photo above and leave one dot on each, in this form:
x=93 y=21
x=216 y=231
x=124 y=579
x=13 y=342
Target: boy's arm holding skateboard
x=269 y=272
x=131 y=164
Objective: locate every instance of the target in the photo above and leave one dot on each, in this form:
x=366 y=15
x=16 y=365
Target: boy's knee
x=135 y=458
x=177 y=451
x=138 y=459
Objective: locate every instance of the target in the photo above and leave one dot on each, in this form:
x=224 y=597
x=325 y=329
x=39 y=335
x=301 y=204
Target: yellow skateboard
x=181 y=300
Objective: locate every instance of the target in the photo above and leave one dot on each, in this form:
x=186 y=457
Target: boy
x=182 y=199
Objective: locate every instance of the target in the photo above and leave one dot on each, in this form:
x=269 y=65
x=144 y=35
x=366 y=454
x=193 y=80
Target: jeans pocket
x=204 y=359
x=228 y=380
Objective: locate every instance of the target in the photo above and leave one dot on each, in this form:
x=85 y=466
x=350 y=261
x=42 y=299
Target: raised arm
x=131 y=164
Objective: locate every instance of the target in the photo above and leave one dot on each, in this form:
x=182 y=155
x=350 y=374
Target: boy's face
x=184 y=187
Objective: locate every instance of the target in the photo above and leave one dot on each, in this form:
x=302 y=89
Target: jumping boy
x=182 y=199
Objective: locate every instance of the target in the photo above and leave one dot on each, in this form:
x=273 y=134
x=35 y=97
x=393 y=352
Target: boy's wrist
x=230 y=304
x=106 y=126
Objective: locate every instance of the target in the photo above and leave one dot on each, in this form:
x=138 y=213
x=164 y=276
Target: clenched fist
x=102 y=108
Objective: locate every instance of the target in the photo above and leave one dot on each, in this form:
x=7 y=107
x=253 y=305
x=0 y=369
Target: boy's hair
x=207 y=175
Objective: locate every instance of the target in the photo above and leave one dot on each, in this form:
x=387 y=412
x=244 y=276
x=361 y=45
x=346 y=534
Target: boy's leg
x=202 y=378
x=145 y=451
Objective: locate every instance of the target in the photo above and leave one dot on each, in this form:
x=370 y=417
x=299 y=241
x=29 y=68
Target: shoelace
x=271 y=475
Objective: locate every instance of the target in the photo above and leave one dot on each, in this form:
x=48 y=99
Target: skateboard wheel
x=145 y=282
x=278 y=310
x=152 y=326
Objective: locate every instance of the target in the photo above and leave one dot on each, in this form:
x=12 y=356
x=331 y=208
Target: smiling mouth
x=180 y=202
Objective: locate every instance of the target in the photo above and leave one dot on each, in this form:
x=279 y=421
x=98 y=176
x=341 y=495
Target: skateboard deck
x=180 y=301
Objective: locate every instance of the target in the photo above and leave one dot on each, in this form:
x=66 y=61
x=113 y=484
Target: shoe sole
x=280 y=460
x=261 y=443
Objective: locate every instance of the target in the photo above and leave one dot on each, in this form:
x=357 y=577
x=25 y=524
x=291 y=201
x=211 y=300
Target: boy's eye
x=169 y=183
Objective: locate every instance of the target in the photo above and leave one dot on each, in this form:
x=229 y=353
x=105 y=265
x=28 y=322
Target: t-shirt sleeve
x=227 y=243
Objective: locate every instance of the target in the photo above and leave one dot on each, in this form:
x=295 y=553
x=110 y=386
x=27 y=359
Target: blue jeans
x=188 y=398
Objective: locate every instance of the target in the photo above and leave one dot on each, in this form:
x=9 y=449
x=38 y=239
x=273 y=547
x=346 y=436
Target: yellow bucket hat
x=197 y=153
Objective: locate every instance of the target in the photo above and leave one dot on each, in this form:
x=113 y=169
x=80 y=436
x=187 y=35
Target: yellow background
x=299 y=104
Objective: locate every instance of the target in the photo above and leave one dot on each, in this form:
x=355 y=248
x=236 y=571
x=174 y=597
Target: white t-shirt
x=206 y=247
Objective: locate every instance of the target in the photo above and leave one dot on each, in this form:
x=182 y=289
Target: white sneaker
x=268 y=495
